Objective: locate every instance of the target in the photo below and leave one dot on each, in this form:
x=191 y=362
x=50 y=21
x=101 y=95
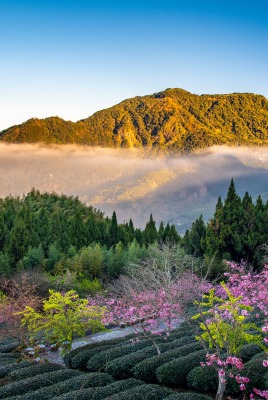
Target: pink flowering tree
x=224 y=317
x=151 y=306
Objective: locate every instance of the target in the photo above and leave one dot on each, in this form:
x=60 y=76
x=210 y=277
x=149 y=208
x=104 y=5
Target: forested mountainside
x=173 y=120
x=59 y=233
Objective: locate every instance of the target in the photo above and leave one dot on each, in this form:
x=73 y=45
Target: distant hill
x=172 y=120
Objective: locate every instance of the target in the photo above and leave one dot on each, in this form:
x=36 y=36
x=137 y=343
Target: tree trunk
x=221 y=388
x=157 y=347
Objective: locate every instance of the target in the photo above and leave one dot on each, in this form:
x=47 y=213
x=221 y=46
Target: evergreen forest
x=56 y=233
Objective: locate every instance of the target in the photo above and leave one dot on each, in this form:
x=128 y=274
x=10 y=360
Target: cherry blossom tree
x=225 y=320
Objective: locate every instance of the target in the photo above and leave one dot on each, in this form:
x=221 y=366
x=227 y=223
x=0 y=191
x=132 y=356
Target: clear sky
x=73 y=57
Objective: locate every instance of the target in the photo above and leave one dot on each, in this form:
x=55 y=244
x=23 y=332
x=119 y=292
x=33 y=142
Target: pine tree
x=150 y=232
x=113 y=231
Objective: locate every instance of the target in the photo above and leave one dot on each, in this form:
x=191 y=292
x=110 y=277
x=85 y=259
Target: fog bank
x=133 y=182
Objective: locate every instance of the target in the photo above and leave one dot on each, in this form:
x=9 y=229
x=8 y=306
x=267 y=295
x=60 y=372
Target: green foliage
x=237 y=231
x=59 y=234
x=187 y=396
x=6 y=346
x=121 y=367
x=36 y=382
x=175 y=371
x=9 y=356
x=82 y=381
x=228 y=334
x=6 y=369
x=149 y=392
x=101 y=392
x=82 y=357
x=33 y=370
x=204 y=379
x=95 y=347
x=247 y=351
x=63 y=317
x=99 y=361
x=146 y=369
x=172 y=120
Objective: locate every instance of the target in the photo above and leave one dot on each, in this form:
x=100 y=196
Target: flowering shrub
x=225 y=315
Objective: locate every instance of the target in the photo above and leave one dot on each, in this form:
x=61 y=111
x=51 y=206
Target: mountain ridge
x=173 y=120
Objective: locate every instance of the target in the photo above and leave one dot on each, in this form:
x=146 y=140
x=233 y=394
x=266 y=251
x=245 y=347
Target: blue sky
x=72 y=58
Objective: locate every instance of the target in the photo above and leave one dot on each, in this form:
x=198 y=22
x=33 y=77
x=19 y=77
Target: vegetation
x=59 y=233
x=172 y=120
x=237 y=232
x=63 y=316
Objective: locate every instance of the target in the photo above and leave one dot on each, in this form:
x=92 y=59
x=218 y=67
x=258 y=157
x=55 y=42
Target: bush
x=6 y=346
x=9 y=356
x=100 y=392
x=96 y=345
x=266 y=379
x=98 y=361
x=12 y=366
x=121 y=367
x=33 y=370
x=203 y=379
x=248 y=351
x=187 y=396
x=38 y=381
x=83 y=358
x=254 y=370
x=175 y=372
x=146 y=369
x=78 y=382
x=148 y=392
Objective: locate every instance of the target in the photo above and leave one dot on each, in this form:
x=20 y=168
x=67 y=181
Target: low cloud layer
x=133 y=182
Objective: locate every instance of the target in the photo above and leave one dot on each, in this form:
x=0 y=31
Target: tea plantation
x=120 y=369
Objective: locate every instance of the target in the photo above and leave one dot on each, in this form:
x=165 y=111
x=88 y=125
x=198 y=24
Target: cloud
x=133 y=182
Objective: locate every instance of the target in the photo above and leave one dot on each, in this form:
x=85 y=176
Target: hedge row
x=187 y=396
x=121 y=367
x=175 y=371
x=6 y=369
x=32 y=370
x=100 y=392
x=146 y=369
x=204 y=379
x=81 y=359
x=99 y=361
x=248 y=351
x=148 y=392
x=9 y=356
x=255 y=370
x=68 y=357
x=38 y=381
x=8 y=346
x=82 y=381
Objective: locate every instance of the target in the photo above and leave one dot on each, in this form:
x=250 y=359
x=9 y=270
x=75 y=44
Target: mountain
x=173 y=120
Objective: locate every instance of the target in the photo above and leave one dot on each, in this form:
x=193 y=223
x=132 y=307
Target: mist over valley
x=135 y=183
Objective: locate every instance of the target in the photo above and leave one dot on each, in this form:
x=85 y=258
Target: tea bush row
x=82 y=381
x=32 y=370
x=100 y=360
x=187 y=396
x=100 y=393
x=175 y=371
x=36 y=382
x=146 y=369
x=121 y=367
x=7 y=368
x=68 y=357
x=148 y=392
